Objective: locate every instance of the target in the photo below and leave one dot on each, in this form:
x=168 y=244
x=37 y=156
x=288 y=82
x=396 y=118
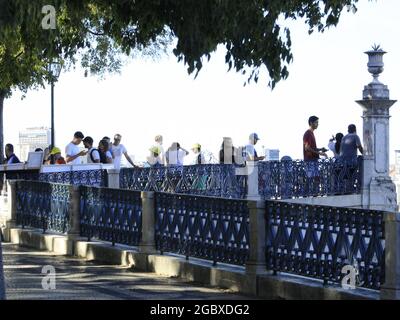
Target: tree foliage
x=252 y=31
x=100 y=33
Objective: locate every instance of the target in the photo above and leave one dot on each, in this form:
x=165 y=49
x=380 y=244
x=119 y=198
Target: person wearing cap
x=154 y=159
x=55 y=157
x=197 y=156
x=117 y=150
x=72 y=150
x=159 y=144
x=251 y=153
x=93 y=155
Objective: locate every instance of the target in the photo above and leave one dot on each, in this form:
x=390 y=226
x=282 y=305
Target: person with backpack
x=93 y=155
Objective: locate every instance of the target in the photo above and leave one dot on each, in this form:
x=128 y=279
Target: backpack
x=103 y=157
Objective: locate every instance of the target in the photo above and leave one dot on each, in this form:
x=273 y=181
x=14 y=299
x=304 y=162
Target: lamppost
x=54 y=69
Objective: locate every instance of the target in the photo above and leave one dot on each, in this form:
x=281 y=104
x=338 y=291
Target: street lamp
x=54 y=69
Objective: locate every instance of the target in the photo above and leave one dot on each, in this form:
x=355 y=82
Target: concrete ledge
x=234 y=278
x=348 y=201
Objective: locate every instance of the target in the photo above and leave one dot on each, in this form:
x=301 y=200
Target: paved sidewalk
x=80 y=279
x=2 y=292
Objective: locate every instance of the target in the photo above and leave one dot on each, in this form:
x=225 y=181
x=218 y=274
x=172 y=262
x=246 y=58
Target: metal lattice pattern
x=23 y=175
x=218 y=180
x=291 y=179
x=203 y=227
x=43 y=205
x=96 y=178
x=318 y=241
x=111 y=215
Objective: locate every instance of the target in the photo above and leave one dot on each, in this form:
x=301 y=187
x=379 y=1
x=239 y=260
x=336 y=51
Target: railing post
x=252 y=180
x=113 y=178
x=74 y=211
x=11 y=221
x=256 y=263
x=391 y=288
x=147 y=242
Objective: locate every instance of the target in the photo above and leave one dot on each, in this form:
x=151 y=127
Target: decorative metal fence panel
x=318 y=241
x=95 y=178
x=111 y=215
x=291 y=179
x=209 y=228
x=22 y=175
x=217 y=180
x=43 y=205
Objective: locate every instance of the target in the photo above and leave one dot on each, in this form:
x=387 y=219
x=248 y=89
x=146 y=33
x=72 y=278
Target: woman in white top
x=334 y=144
x=175 y=155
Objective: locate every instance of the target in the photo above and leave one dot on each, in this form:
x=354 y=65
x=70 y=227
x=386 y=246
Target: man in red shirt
x=311 y=155
x=310 y=150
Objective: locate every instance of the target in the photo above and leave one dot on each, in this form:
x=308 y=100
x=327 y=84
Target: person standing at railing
x=197 y=156
x=117 y=150
x=310 y=150
x=228 y=154
x=159 y=145
x=11 y=158
x=55 y=157
x=251 y=153
x=72 y=151
x=334 y=144
x=154 y=160
x=93 y=155
x=311 y=155
x=104 y=152
x=351 y=142
x=175 y=154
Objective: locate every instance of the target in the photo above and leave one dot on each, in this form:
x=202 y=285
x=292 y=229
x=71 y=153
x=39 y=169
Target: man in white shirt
x=117 y=150
x=93 y=155
x=251 y=153
x=72 y=150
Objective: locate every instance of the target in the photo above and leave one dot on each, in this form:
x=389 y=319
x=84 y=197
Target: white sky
x=158 y=97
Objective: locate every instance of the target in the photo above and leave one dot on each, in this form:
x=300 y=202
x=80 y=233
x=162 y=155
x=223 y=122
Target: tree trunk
x=2 y=97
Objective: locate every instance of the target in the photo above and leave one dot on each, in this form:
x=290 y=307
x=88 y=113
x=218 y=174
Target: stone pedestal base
x=381 y=195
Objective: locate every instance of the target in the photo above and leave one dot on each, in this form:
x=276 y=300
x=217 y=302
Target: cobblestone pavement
x=80 y=279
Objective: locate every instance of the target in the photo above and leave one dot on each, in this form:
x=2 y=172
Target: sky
x=150 y=97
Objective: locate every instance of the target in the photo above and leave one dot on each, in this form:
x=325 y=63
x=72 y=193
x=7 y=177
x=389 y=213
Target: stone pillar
x=11 y=221
x=391 y=288
x=113 y=178
x=256 y=262
x=252 y=180
x=378 y=190
x=147 y=242
x=74 y=211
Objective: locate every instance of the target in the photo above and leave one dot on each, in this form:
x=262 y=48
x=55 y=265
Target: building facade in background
x=32 y=138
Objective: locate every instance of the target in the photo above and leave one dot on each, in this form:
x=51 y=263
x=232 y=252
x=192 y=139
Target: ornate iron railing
x=203 y=227
x=43 y=205
x=22 y=175
x=96 y=178
x=292 y=179
x=111 y=215
x=217 y=180
x=318 y=241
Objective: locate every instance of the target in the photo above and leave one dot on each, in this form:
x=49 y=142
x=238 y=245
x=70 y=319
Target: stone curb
x=264 y=286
